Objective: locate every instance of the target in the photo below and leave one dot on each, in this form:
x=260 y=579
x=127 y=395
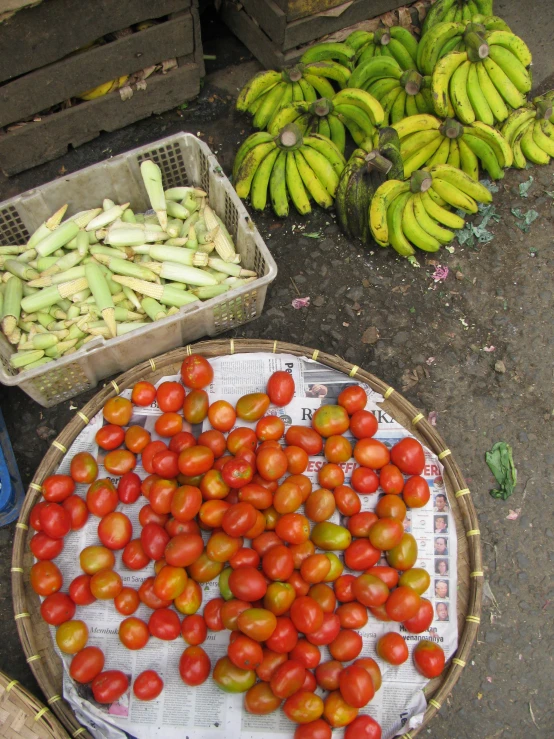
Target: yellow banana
x=270 y=104
x=338 y=134
x=509 y=92
x=278 y=186
x=421 y=122
x=395 y=215
x=477 y=98
x=248 y=167
x=443 y=235
x=414 y=232
x=322 y=86
x=512 y=67
x=441 y=154
x=513 y=43
x=419 y=158
x=441 y=79
x=462 y=182
x=543 y=135
x=362 y=99
x=440 y=214
x=258 y=85
x=531 y=150
x=296 y=189
x=493 y=97
x=468 y=160
x=515 y=122
x=322 y=168
x=454 y=154
x=496 y=141
x=260 y=137
x=311 y=182
x=519 y=159
x=328 y=149
x=323 y=128
x=384 y=195
x=260 y=182
x=415 y=141
x=458 y=94
x=453 y=196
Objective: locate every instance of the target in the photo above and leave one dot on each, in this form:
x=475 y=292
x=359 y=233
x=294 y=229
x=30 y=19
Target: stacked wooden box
x=277 y=31
x=38 y=70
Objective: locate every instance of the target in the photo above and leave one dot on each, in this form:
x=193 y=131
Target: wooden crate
x=300 y=8
x=51 y=82
x=284 y=35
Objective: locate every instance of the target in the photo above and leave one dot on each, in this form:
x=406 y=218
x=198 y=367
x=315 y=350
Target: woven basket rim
x=439 y=688
x=16 y=696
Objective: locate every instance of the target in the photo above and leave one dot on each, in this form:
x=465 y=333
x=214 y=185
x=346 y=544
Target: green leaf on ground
x=524 y=187
x=501 y=464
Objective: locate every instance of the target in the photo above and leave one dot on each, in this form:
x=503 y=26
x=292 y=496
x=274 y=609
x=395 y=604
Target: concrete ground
x=476 y=348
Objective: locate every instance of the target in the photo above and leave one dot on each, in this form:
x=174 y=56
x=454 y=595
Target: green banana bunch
x=426 y=141
x=330 y=51
x=455 y=10
x=401 y=93
x=484 y=82
x=268 y=92
x=395 y=42
x=288 y=166
x=449 y=36
x=530 y=132
x=416 y=213
x=363 y=174
x=351 y=108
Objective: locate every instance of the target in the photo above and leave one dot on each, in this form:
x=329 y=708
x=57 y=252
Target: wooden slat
x=270 y=18
x=56 y=82
x=43 y=34
x=295 y=9
x=40 y=142
x=252 y=36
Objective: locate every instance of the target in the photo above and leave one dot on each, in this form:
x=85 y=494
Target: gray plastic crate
x=183 y=159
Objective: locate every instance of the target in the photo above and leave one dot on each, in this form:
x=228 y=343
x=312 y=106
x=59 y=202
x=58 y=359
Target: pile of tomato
x=283 y=590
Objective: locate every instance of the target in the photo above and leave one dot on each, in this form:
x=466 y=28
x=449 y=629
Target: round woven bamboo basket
x=22 y=716
x=34 y=633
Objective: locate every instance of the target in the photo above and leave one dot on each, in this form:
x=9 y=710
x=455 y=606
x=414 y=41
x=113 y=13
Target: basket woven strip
x=22 y=716
x=34 y=633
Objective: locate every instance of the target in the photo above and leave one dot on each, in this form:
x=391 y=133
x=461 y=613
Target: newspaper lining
x=206 y=711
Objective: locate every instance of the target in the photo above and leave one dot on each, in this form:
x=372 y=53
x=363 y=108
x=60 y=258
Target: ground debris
x=370 y=335
x=411 y=377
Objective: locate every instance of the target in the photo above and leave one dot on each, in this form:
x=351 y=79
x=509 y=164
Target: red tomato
x=196 y=460
x=149 y=452
x=221 y=547
x=352 y=399
x=408 y=456
x=72 y=636
x=422 y=619
x=252 y=407
x=186 y=502
x=237 y=472
x=148 y=515
x=270 y=428
x=347 y=500
x=196 y=372
x=294 y=528
x=280 y=388
x=303 y=707
x=272 y=463
x=230 y=612
x=327 y=632
x=264 y=542
x=78 y=511
x=391 y=479
x=127 y=601
x=257 y=623
x=164 y=624
x=306 y=438
x=257 y=495
x=182 y=440
x=297 y=459
x=168 y=424
x=337 y=449
x=363 y=424
x=315 y=568
x=369 y=664
x=55 y=521
x=330 y=476
x=80 y=592
x=429 y=658
x=57 y=608
x=343 y=588
x=44 y=547
x=241 y=438
x=238 y=519
x=110 y=437
x=245 y=652
x=346 y=646
x=260 y=700
x=287 y=679
x=212 y=614
x=277 y=564
x=352 y=615
x=212 y=512
x=170 y=396
x=128 y=488
x=387 y=574
x=214 y=440
x=416 y=492
x=301 y=587
x=356 y=686
x=136 y=438
x=87 y=664
x=109 y=686
x=370 y=590
x=115 y=530
x=245 y=557
x=143 y=393
x=120 y=461
x=57 y=488
x=270 y=662
x=391 y=506
x=102 y=497
x=148 y=685
x=305 y=653
x=118 y=411
x=318 y=729
x=213 y=487
x=392 y=648
x=154 y=539
x=247 y=584
x=169 y=582
x=174 y=527
x=360 y=523
x=306 y=614
x=325 y=596
x=364 y=480
x=287 y=498
x=361 y=554
x=222 y=415
x=371 y=453
x=194 y=666
x=182 y=550
x=363 y=727
x=195 y=407
x=194 y=630
x=300 y=552
x=403 y=603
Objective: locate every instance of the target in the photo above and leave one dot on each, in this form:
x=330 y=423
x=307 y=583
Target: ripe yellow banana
x=414 y=232
x=458 y=94
x=384 y=195
x=395 y=215
x=469 y=162
x=258 y=85
x=296 y=189
x=496 y=141
x=260 y=181
x=363 y=100
x=311 y=182
x=421 y=122
x=531 y=150
x=454 y=154
x=322 y=168
x=278 y=186
x=453 y=196
x=250 y=164
x=543 y=135
x=513 y=43
x=440 y=214
x=441 y=79
x=477 y=98
x=415 y=141
x=462 y=182
x=419 y=158
x=443 y=235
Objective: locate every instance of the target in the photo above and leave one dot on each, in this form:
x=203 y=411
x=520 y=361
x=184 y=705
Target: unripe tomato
x=195 y=407
x=232 y=679
x=391 y=506
x=120 y=461
x=417 y=578
x=320 y=505
x=280 y=388
x=203 y=569
x=170 y=582
x=190 y=599
x=287 y=498
x=257 y=623
x=83 y=468
x=136 y=438
x=330 y=420
x=386 y=533
x=404 y=555
x=106 y=585
x=370 y=590
x=72 y=636
x=303 y=707
x=252 y=407
x=337 y=711
x=337 y=449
